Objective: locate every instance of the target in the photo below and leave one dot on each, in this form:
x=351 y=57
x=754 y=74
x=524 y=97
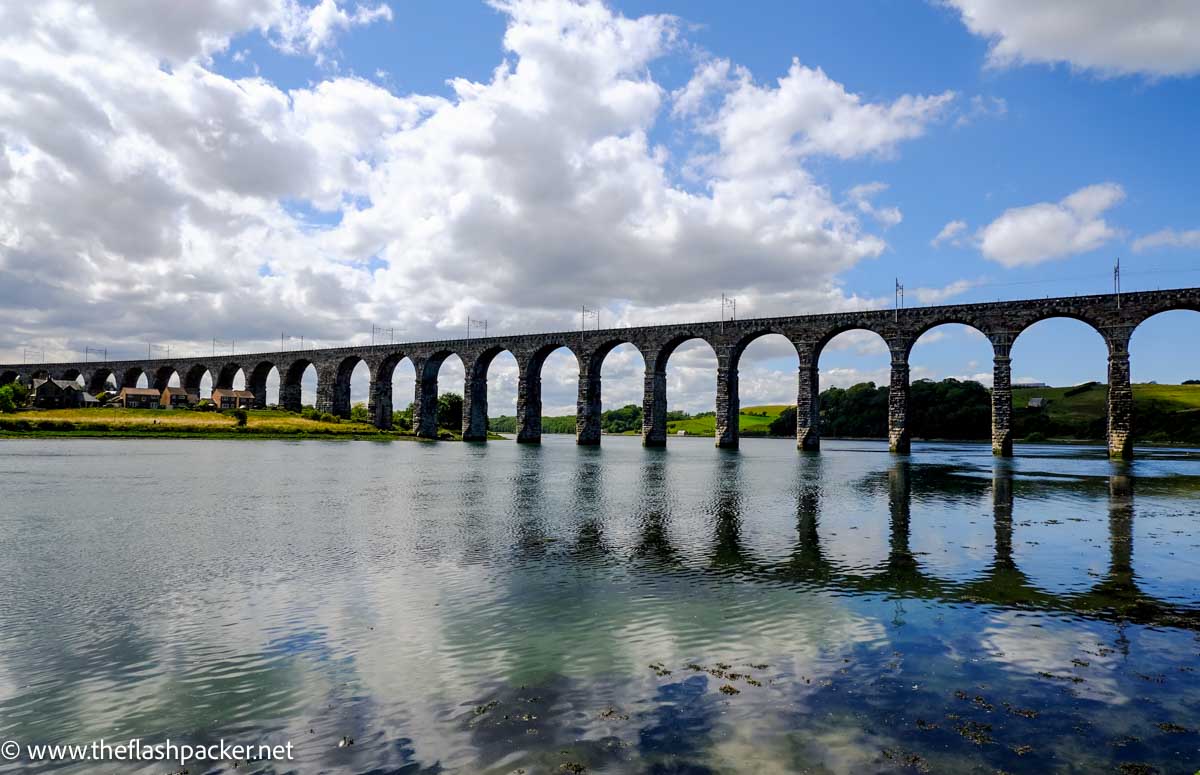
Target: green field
x=175 y=423
x=752 y=421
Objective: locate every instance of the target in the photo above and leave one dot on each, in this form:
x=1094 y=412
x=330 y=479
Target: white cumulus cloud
x=1109 y=37
x=1024 y=236
x=1167 y=238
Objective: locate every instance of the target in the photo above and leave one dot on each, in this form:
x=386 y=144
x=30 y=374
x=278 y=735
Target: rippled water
x=501 y=608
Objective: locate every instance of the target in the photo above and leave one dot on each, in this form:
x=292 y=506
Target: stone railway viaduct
x=1113 y=316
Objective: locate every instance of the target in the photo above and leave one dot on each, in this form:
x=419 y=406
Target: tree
x=358 y=413
x=449 y=411
x=7 y=402
x=627 y=418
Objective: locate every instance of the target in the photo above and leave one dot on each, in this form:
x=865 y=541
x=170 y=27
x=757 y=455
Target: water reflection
x=502 y=607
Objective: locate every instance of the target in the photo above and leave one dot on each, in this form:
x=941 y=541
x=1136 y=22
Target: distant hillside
x=946 y=409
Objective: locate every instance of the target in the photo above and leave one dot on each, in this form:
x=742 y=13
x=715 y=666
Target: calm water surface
x=497 y=608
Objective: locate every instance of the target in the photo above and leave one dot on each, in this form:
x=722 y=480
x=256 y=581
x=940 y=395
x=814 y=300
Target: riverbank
x=261 y=424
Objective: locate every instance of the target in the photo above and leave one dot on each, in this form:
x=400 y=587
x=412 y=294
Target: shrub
x=358 y=413
x=327 y=417
x=241 y=416
x=402 y=421
x=309 y=413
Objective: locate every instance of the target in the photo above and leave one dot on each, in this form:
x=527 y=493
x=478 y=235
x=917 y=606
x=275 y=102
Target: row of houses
x=64 y=394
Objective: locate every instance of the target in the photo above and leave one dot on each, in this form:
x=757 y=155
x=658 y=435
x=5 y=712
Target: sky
x=224 y=175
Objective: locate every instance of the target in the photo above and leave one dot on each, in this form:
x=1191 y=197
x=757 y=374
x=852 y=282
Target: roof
x=177 y=391
x=233 y=393
x=88 y=398
x=140 y=392
x=61 y=383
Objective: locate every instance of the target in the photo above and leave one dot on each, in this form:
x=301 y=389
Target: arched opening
x=165 y=377
x=433 y=409
x=1059 y=382
x=610 y=400
x=8 y=377
x=230 y=377
x=197 y=381
x=134 y=377
x=1164 y=359
x=855 y=370
x=263 y=382
x=623 y=372
x=351 y=389
x=397 y=386
x=299 y=386
x=503 y=376
x=767 y=369
x=551 y=392
x=950 y=376
x=685 y=382
x=478 y=385
x=102 y=381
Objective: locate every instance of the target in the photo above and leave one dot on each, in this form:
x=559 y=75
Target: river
x=497 y=608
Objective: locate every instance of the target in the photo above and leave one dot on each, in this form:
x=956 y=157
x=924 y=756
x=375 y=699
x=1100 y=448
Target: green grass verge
x=182 y=423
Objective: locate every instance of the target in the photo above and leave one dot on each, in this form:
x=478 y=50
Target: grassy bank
x=752 y=421
x=178 y=423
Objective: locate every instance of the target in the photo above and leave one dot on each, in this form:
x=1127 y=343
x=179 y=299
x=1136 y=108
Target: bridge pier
x=654 y=405
x=588 y=407
x=1002 y=515
x=379 y=404
x=529 y=406
x=289 y=397
x=475 y=405
x=425 y=400
x=1120 y=402
x=898 y=439
x=808 y=402
x=326 y=391
x=1002 y=443
x=728 y=406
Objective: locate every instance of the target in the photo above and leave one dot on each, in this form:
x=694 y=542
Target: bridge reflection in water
x=1115 y=596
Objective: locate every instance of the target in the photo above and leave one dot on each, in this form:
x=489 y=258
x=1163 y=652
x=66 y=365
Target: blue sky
x=356 y=184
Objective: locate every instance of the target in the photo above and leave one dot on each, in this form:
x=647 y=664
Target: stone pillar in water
x=425 y=401
x=808 y=402
x=1120 y=401
x=728 y=404
x=1002 y=403
x=588 y=407
x=475 y=403
x=654 y=404
x=529 y=406
x=898 y=439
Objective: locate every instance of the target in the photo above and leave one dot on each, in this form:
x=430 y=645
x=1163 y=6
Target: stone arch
x=654 y=402
x=381 y=405
x=963 y=360
x=256 y=382
x=9 y=377
x=766 y=341
x=808 y=415
x=529 y=392
x=133 y=375
x=590 y=405
x=226 y=376
x=1026 y=323
x=290 y=396
x=947 y=320
x=98 y=381
x=162 y=377
x=71 y=375
x=193 y=376
x=337 y=394
x=475 y=391
x=425 y=401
